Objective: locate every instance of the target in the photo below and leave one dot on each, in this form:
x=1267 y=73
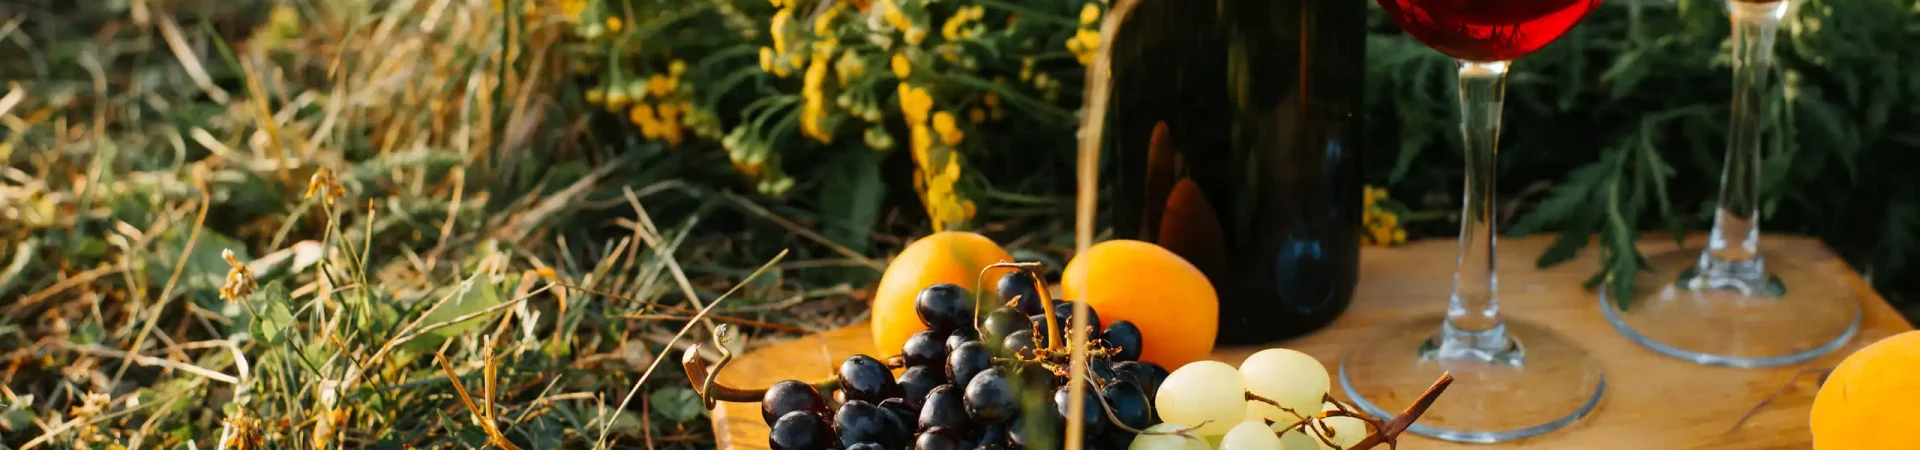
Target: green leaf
x=272 y=314
x=850 y=197
x=676 y=403
x=474 y=295
x=1656 y=170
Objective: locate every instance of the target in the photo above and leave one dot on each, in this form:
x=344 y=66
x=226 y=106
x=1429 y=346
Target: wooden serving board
x=1651 y=402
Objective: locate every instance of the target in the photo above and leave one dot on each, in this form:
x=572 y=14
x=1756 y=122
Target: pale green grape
x=1297 y=440
x=1293 y=379
x=1149 y=440
x=1346 y=430
x=1250 y=435
x=1209 y=393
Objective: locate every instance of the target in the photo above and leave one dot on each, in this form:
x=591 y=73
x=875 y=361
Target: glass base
x=1541 y=382
x=1784 y=314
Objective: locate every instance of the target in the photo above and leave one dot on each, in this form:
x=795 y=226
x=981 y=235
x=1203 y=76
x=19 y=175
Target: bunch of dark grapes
x=997 y=383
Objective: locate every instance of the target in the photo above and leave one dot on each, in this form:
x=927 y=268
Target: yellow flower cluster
x=813 y=114
x=1085 y=43
x=1382 y=224
x=944 y=204
x=662 y=107
x=937 y=173
x=896 y=17
x=958 y=25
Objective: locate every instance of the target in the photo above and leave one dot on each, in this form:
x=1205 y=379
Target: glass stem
x=1732 y=258
x=1473 y=312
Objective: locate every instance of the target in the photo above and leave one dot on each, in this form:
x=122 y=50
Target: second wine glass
x=1727 y=305
x=1516 y=379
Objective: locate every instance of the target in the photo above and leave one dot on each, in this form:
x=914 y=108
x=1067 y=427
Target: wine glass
x=1726 y=305
x=1515 y=379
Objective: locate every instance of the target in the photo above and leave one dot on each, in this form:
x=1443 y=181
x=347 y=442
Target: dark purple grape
x=961 y=336
x=970 y=359
x=941 y=438
x=1101 y=366
x=867 y=379
x=1002 y=322
x=1125 y=336
x=990 y=398
x=859 y=421
x=1092 y=419
x=1129 y=404
x=1063 y=310
x=867 y=446
x=903 y=417
x=1144 y=374
x=945 y=407
x=991 y=437
x=1019 y=284
x=1020 y=343
x=789 y=396
x=1114 y=439
x=916 y=381
x=944 y=307
x=926 y=348
x=801 y=430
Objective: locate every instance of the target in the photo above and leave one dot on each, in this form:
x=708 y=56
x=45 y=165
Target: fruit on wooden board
x=1872 y=400
x=1170 y=301
x=952 y=257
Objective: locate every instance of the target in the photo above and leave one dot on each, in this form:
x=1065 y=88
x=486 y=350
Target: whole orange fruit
x=1170 y=301
x=1869 y=400
x=945 y=257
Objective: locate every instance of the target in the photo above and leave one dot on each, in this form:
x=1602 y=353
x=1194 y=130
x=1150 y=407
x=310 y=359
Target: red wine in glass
x=1487 y=30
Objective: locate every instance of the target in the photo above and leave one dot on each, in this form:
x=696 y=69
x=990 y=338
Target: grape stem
x=1389 y=432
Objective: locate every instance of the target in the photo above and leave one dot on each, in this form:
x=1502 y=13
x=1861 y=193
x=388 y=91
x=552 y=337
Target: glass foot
x=1789 y=315
x=1543 y=382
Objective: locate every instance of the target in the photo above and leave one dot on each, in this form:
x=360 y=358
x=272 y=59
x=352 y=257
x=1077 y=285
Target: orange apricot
x=1872 y=400
x=945 y=257
x=1171 y=302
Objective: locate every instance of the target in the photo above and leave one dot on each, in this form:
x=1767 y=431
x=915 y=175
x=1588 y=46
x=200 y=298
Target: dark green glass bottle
x=1229 y=131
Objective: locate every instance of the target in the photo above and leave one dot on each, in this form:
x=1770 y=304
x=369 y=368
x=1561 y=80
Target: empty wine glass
x=1727 y=305
x=1514 y=379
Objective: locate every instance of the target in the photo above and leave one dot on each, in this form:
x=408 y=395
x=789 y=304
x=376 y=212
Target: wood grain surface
x=1652 y=401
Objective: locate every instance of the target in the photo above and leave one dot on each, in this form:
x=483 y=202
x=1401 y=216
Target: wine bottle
x=1228 y=131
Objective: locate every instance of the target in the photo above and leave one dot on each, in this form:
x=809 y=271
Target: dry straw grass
x=306 y=224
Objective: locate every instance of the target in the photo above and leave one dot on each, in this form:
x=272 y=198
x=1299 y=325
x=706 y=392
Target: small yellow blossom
x=614 y=24
x=1085 y=44
x=676 y=68
x=949 y=131
x=894 y=15
x=240 y=281
x=324 y=183
x=778 y=28
x=920 y=141
x=814 y=112
x=915 y=103
x=823 y=25
x=901 y=67
x=766 y=59
x=1382 y=224
x=1089 y=14
x=916 y=35
x=977 y=115
x=658 y=86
